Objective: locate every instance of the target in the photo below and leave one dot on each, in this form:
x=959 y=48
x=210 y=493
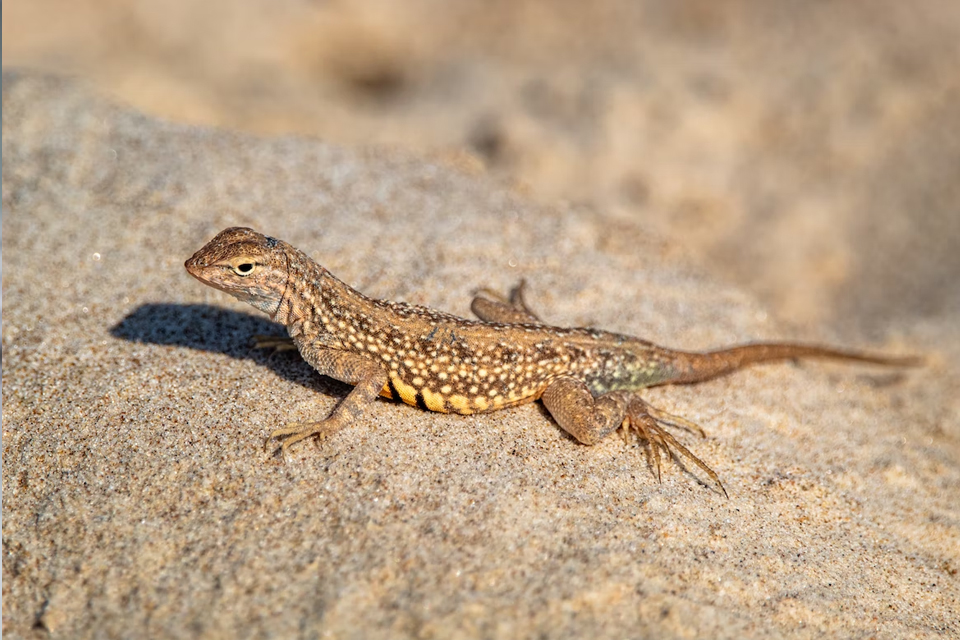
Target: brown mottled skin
x=586 y=378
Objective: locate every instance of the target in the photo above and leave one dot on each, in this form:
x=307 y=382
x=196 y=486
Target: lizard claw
x=295 y=432
x=277 y=343
x=645 y=421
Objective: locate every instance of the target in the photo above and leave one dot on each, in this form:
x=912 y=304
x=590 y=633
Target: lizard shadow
x=215 y=329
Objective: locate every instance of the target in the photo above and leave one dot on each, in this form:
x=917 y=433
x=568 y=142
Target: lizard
x=587 y=379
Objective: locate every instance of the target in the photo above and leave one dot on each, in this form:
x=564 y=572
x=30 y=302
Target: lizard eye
x=244 y=269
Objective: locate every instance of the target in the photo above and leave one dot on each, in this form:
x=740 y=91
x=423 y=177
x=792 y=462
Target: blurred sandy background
x=695 y=172
x=807 y=151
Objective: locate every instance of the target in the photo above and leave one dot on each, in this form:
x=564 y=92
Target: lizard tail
x=695 y=367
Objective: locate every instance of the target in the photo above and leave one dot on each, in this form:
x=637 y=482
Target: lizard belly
x=424 y=397
x=446 y=399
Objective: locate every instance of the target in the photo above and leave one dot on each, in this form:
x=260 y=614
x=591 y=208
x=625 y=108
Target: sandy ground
x=137 y=500
x=748 y=173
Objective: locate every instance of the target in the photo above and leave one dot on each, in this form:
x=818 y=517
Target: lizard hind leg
x=646 y=421
x=590 y=419
x=490 y=306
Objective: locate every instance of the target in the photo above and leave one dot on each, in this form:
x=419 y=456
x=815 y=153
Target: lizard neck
x=306 y=286
x=314 y=298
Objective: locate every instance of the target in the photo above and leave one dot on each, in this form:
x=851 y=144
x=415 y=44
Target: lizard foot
x=491 y=306
x=297 y=431
x=278 y=343
x=645 y=421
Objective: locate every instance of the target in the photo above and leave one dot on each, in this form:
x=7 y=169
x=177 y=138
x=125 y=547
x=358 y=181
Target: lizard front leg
x=590 y=419
x=277 y=343
x=368 y=378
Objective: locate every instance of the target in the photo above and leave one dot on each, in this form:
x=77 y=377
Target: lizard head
x=248 y=265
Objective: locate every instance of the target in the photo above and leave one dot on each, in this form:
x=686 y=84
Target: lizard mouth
x=198 y=270
x=193 y=265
